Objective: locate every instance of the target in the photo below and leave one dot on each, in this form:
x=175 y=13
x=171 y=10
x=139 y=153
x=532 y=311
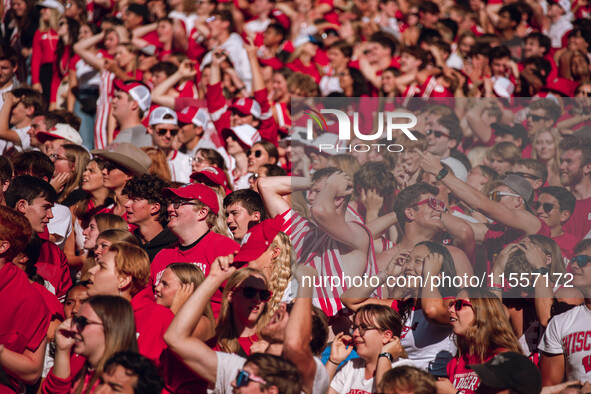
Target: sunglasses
x=581 y=260
x=257 y=153
x=536 y=118
x=244 y=377
x=546 y=206
x=432 y=202
x=586 y=94
x=362 y=329
x=162 y=132
x=496 y=196
x=523 y=175
x=81 y=322
x=250 y=292
x=459 y=304
x=437 y=134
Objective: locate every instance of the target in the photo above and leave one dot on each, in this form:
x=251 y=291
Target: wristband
x=337 y=364
x=442 y=174
x=387 y=355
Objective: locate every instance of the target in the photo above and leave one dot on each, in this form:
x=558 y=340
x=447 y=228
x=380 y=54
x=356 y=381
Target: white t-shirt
x=180 y=167
x=570 y=334
x=25 y=141
x=428 y=345
x=229 y=365
x=60 y=225
x=351 y=377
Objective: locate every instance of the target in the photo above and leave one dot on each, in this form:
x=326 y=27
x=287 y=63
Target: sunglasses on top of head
x=523 y=175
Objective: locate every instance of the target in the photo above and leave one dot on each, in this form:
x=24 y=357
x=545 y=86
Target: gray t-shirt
x=230 y=364
x=136 y=135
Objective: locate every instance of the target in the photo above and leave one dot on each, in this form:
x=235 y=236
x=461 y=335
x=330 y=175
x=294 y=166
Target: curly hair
x=490 y=328
x=149 y=187
x=281 y=272
x=16 y=229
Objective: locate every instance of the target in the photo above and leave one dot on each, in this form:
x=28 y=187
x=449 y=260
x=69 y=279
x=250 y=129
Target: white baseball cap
x=138 y=91
x=247 y=134
x=163 y=115
x=56 y=5
x=60 y=131
x=195 y=115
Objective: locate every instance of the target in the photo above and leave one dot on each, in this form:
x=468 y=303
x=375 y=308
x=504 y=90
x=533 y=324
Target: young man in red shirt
x=25 y=318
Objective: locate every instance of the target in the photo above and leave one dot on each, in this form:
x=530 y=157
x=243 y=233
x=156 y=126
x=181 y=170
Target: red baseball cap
x=258 y=239
x=138 y=91
x=195 y=115
x=212 y=174
x=247 y=106
x=195 y=191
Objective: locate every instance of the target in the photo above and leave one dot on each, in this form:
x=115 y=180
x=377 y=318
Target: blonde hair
x=347 y=163
x=133 y=261
x=80 y=157
x=490 y=329
x=53 y=23
x=225 y=333
x=554 y=163
x=281 y=274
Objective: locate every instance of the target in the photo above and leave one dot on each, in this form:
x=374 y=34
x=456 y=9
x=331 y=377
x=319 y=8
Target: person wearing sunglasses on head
x=289 y=333
x=164 y=129
x=103 y=327
x=478 y=339
x=555 y=206
x=565 y=353
x=508 y=204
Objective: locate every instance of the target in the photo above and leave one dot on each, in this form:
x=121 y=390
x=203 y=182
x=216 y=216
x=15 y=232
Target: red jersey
x=43 y=51
x=56 y=309
x=53 y=266
x=151 y=322
x=25 y=318
x=567 y=243
x=54 y=385
x=579 y=224
x=310 y=70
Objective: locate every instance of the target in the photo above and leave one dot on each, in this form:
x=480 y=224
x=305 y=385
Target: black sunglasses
x=437 y=134
x=81 y=322
x=546 y=206
x=110 y=166
x=162 y=132
x=586 y=94
x=536 y=118
x=523 y=175
x=257 y=153
x=581 y=260
x=250 y=292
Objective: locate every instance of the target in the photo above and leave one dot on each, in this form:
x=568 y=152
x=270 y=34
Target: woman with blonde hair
x=70 y=159
x=545 y=150
x=244 y=303
x=178 y=282
x=43 y=55
x=481 y=330
x=125 y=270
x=103 y=326
x=346 y=163
x=502 y=156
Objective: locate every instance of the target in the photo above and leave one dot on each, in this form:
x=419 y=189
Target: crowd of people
x=193 y=196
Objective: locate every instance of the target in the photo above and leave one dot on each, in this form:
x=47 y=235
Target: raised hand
x=341 y=348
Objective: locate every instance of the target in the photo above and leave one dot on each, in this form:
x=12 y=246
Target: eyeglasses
x=432 y=202
x=162 y=132
x=81 y=322
x=257 y=153
x=249 y=292
x=244 y=377
x=177 y=204
x=536 y=118
x=56 y=157
x=586 y=94
x=459 y=304
x=581 y=260
x=496 y=196
x=437 y=134
x=210 y=19
x=523 y=175
x=362 y=329
x=546 y=206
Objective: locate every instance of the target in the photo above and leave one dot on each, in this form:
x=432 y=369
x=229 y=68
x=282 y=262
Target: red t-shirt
x=56 y=309
x=151 y=322
x=465 y=379
x=202 y=253
x=25 y=318
x=567 y=243
x=580 y=222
